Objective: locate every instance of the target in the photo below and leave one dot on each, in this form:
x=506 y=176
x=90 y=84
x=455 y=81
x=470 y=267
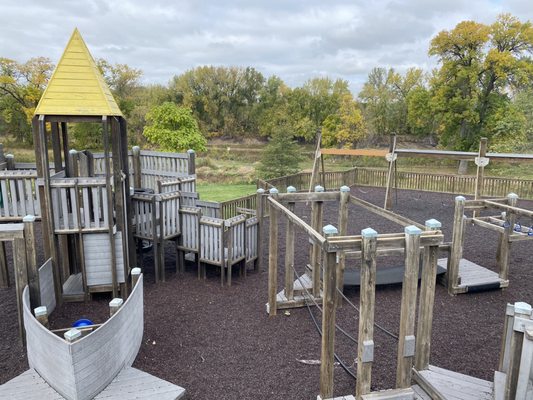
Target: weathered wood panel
x=46 y=280
x=97 y=252
x=82 y=369
x=18 y=195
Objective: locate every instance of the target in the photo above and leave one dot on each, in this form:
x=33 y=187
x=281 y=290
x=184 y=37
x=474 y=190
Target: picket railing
x=424 y=181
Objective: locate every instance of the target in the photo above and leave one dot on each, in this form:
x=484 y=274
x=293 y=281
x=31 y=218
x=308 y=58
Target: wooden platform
x=474 y=277
x=130 y=384
x=441 y=383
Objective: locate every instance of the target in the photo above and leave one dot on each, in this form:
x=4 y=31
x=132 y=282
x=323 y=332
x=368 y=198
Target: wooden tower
x=86 y=224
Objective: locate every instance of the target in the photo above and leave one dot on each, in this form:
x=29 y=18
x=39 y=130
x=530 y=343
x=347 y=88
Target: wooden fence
x=444 y=183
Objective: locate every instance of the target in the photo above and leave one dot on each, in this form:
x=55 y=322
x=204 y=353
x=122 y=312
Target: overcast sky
x=295 y=40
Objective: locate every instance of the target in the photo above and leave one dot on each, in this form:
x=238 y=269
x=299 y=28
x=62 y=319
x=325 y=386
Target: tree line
x=482 y=86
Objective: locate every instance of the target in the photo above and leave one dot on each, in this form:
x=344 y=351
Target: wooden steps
x=442 y=384
x=129 y=384
x=300 y=297
x=393 y=394
x=474 y=277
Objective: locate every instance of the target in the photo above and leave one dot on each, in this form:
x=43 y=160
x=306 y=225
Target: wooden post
x=192 y=162
x=328 y=318
x=10 y=160
x=137 y=177
x=273 y=256
x=526 y=365
x=4 y=270
x=503 y=364
x=481 y=161
x=260 y=207
x=135 y=275
x=2 y=156
x=31 y=261
x=114 y=305
x=72 y=335
x=317 y=217
x=109 y=205
x=289 y=251
x=56 y=147
x=521 y=310
x=343 y=230
x=504 y=246
x=365 y=345
x=21 y=280
x=427 y=300
x=456 y=251
x=41 y=314
x=406 y=342
x=72 y=164
x=391 y=158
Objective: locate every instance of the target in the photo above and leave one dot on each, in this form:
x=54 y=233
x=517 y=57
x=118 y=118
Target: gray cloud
x=296 y=40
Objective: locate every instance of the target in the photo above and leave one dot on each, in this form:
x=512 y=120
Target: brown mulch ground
x=219 y=343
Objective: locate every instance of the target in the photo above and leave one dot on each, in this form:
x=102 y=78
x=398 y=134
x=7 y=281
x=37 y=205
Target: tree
x=223 y=99
x=281 y=156
x=21 y=87
x=480 y=66
x=173 y=128
x=344 y=128
x=385 y=99
x=310 y=105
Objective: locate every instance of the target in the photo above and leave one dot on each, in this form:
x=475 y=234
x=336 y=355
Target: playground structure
x=481 y=159
x=322 y=284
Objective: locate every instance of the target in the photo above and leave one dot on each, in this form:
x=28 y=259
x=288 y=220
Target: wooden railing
x=444 y=183
x=18 y=195
x=230 y=208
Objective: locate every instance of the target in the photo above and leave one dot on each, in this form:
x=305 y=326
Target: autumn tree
x=173 y=128
x=481 y=65
x=344 y=128
x=21 y=87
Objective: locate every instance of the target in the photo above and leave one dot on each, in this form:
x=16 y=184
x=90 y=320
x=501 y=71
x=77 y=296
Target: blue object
x=530 y=232
x=82 y=322
x=518 y=227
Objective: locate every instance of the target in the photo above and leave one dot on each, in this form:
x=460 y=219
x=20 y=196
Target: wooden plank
x=391 y=216
x=355 y=152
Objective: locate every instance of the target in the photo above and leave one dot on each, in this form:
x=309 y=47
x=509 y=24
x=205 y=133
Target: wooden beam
x=365 y=345
x=31 y=261
x=309 y=197
x=273 y=257
x=391 y=216
x=355 y=152
x=406 y=341
x=456 y=252
x=289 y=257
x=343 y=230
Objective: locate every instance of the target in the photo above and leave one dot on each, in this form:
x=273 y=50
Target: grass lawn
x=221 y=192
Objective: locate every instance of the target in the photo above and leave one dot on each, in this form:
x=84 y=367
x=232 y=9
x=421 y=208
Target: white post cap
x=136 y=148
x=29 y=218
x=460 y=198
x=433 y=224
x=73 y=152
x=274 y=191
x=412 y=230
x=40 y=311
x=191 y=151
x=72 y=335
x=330 y=230
x=291 y=189
x=116 y=302
x=512 y=196
x=9 y=156
x=319 y=188
x=521 y=307
x=369 y=233
x=260 y=191
x=136 y=271
x=345 y=188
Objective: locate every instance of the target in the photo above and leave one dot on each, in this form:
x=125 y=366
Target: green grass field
x=222 y=192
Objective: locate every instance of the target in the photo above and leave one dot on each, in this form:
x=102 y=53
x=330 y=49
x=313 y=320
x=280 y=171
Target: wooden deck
x=415 y=393
x=130 y=384
x=440 y=383
x=474 y=277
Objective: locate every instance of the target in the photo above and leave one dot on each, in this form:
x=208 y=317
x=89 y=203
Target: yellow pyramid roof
x=77 y=86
